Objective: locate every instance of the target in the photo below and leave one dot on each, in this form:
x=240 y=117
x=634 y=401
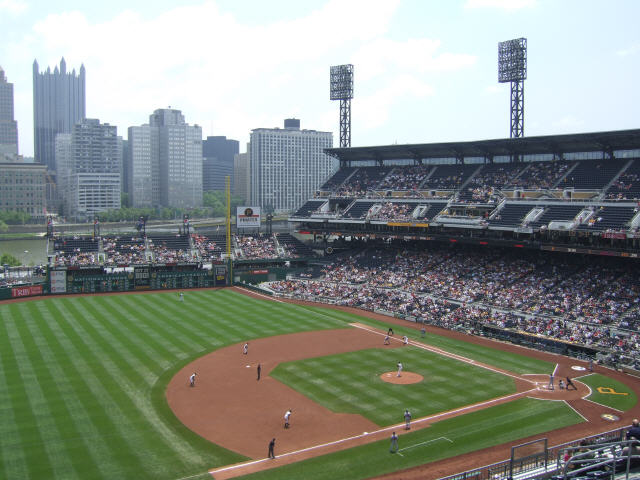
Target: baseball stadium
x=507 y=290
x=460 y=310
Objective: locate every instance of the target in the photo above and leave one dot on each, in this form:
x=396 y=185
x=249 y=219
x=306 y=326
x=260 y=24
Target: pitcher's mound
x=406 y=378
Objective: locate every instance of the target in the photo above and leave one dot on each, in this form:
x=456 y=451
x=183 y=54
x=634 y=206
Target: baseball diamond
x=87 y=381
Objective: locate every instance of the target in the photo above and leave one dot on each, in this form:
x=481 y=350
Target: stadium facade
x=562 y=191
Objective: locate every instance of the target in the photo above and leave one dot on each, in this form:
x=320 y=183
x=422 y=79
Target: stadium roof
x=553 y=144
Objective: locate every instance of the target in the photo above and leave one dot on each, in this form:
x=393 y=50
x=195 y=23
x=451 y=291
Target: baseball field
x=97 y=387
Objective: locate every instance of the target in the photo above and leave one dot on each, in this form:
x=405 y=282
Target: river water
x=29 y=252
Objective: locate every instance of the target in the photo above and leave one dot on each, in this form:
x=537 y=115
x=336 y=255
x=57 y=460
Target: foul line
x=425 y=443
x=447 y=354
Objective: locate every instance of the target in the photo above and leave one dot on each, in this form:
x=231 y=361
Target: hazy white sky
x=425 y=70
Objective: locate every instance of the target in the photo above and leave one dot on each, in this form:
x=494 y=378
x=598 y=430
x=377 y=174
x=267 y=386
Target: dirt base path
x=231 y=408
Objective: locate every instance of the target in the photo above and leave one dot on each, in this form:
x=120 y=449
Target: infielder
x=287 y=416
x=192 y=379
x=405 y=340
x=245 y=348
x=407 y=419
x=386 y=340
x=399 y=369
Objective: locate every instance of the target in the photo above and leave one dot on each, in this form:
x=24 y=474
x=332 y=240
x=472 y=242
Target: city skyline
x=423 y=71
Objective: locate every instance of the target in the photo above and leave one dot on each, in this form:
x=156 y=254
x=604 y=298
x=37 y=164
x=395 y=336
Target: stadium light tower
x=512 y=67
x=341 y=87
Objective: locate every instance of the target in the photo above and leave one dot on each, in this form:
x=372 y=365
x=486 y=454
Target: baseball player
x=192 y=379
x=561 y=384
x=399 y=369
x=245 y=348
x=181 y=297
x=591 y=364
x=386 y=340
x=287 y=416
x=394 y=443
x=390 y=331
x=407 y=419
x=259 y=370
x=570 y=384
x=551 y=381
x=405 y=340
x=423 y=331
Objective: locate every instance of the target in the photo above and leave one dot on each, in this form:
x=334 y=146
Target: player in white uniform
x=405 y=340
x=245 y=348
x=287 y=416
x=399 y=369
x=192 y=379
x=407 y=419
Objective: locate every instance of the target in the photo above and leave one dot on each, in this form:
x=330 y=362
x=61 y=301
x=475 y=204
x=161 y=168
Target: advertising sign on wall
x=248 y=217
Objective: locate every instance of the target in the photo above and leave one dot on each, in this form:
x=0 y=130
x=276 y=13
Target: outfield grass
x=455 y=436
x=350 y=383
x=609 y=392
x=83 y=379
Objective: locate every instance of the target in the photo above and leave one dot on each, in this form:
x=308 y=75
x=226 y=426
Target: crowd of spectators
x=580 y=300
x=393 y=211
x=207 y=249
x=121 y=251
x=405 y=178
x=625 y=187
x=256 y=246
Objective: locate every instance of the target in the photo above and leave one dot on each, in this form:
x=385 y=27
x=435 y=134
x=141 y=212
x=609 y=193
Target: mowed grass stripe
x=134 y=405
x=15 y=463
x=445 y=384
x=56 y=461
x=107 y=401
x=92 y=452
x=139 y=356
x=145 y=339
x=485 y=428
x=162 y=312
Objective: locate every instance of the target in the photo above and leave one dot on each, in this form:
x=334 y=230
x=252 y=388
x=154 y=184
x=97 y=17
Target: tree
x=8 y=259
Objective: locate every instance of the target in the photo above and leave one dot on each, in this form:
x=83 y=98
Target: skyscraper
x=217 y=161
x=58 y=104
x=89 y=168
x=288 y=165
x=165 y=162
x=8 y=126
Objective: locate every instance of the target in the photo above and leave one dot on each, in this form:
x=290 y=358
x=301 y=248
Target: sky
x=424 y=70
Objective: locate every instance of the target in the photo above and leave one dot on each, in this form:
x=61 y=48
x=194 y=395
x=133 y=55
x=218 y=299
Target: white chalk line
x=446 y=354
x=382 y=430
x=425 y=443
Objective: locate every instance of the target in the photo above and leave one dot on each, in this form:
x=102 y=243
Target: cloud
x=415 y=55
x=632 y=50
x=501 y=4
x=13 y=7
x=373 y=110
